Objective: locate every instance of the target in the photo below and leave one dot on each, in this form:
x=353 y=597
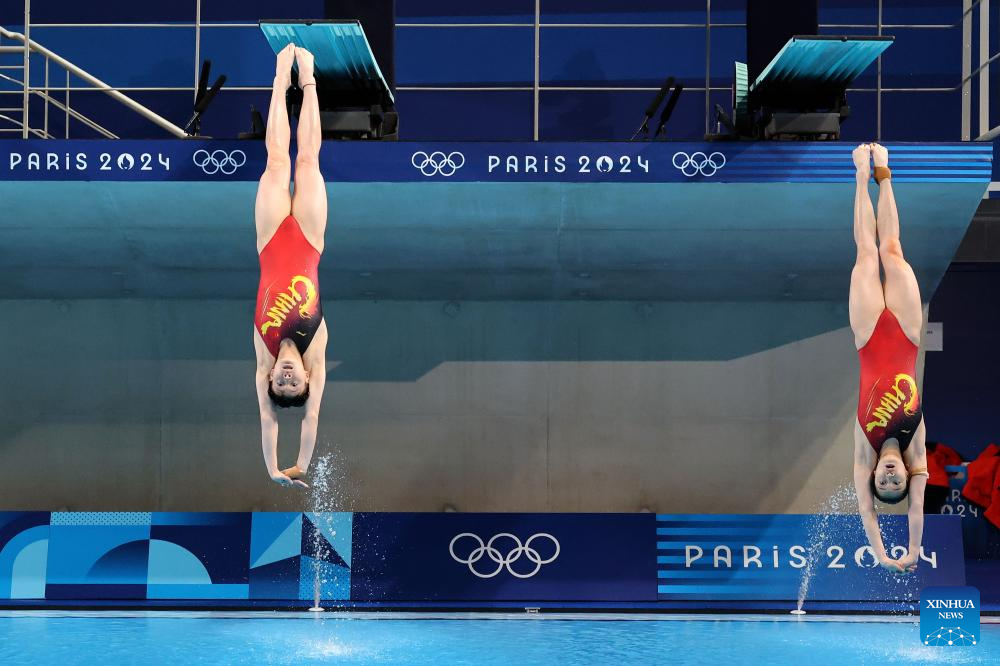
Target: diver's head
x=289 y=380
x=890 y=480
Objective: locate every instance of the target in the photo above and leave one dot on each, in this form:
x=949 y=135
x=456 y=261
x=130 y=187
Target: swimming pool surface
x=43 y=637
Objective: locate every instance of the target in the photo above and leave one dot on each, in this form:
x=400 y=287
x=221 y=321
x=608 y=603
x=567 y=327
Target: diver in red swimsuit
x=890 y=461
x=290 y=333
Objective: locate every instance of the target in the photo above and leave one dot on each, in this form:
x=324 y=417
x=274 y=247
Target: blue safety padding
x=341 y=50
x=823 y=60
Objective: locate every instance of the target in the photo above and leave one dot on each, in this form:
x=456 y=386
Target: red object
x=982 y=486
x=937 y=459
x=888 y=402
x=288 y=304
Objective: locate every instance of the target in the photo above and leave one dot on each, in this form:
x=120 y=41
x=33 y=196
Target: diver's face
x=890 y=478
x=288 y=377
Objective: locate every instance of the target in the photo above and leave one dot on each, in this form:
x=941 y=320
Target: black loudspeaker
x=771 y=23
x=378 y=18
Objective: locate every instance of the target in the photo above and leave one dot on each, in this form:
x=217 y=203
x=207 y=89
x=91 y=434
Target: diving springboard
x=344 y=58
x=815 y=67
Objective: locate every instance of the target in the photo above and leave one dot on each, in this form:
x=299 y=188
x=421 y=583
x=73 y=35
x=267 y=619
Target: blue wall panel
x=621 y=56
x=255 y=10
x=849 y=12
x=106 y=11
x=464 y=56
x=584 y=115
x=960 y=404
x=140 y=57
x=242 y=54
x=634 y=11
x=451 y=115
x=462 y=11
x=923 y=58
x=921 y=11
x=911 y=116
x=860 y=126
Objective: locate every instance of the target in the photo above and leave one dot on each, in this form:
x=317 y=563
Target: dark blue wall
x=577 y=49
x=961 y=389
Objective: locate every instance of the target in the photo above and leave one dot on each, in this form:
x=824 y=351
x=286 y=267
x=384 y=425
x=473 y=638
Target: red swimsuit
x=888 y=403
x=288 y=303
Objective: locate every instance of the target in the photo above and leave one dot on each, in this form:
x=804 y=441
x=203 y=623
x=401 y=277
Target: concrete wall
x=518 y=406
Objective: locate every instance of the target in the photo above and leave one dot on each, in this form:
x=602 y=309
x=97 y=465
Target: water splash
x=327 y=494
x=843 y=500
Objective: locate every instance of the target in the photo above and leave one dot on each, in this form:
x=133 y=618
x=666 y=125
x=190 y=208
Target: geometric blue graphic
x=24 y=541
x=170 y=564
x=949 y=616
x=97 y=555
x=327 y=536
x=289 y=551
x=334 y=581
x=199 y=556
x=275 y=537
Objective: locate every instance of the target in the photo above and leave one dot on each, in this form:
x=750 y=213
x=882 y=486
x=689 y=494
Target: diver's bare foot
x=304 y=60
x=880 y=156
x=862 y=160
x=294 y=472
x=283 y=68
x=283 y=479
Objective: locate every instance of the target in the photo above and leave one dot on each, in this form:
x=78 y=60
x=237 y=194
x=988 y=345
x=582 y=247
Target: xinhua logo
x=949 y=616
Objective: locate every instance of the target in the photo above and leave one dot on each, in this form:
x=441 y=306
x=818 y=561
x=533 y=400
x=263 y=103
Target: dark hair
x=906 y=491
x=285 y=401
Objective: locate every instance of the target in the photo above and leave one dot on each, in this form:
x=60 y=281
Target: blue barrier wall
x=446 y=558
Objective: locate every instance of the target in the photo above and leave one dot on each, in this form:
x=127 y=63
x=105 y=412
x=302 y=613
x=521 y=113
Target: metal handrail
x=35 y=47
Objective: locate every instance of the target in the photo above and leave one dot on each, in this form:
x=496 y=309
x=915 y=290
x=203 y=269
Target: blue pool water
x=300 y=638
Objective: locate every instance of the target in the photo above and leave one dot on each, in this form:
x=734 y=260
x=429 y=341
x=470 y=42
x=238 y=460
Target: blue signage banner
x=595 y=162
x=788 y=557
x=473 y=558
x=503 y=556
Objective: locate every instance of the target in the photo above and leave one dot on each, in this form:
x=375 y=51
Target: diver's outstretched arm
x=915 y=458
x=864 y=464
x=269 y=434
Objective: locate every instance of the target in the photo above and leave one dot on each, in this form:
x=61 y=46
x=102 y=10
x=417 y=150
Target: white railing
x=982 y=71
x=25 y=46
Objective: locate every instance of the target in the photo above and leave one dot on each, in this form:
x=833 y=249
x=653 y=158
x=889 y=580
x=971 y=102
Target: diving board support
x=801 y=93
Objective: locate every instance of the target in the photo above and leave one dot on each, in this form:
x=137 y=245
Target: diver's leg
x=273 y=199
x=309 y=202
x=865 y=301
x=902 y=294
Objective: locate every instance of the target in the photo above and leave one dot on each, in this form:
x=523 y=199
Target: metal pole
x=46 y=124
x=984 y=73
x=708 y=60
x=538 y=23
x=878 y=83
x=27 y=73
x=197 y=46
x=966 y=68
x=101 y=85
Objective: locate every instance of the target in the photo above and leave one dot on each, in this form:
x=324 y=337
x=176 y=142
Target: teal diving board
x=815 y=66
x=344 y=58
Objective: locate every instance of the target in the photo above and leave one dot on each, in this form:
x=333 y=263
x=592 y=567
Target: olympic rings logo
x=699 y=162
x=437 y=162
x=219 y=161
x=502 y=561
